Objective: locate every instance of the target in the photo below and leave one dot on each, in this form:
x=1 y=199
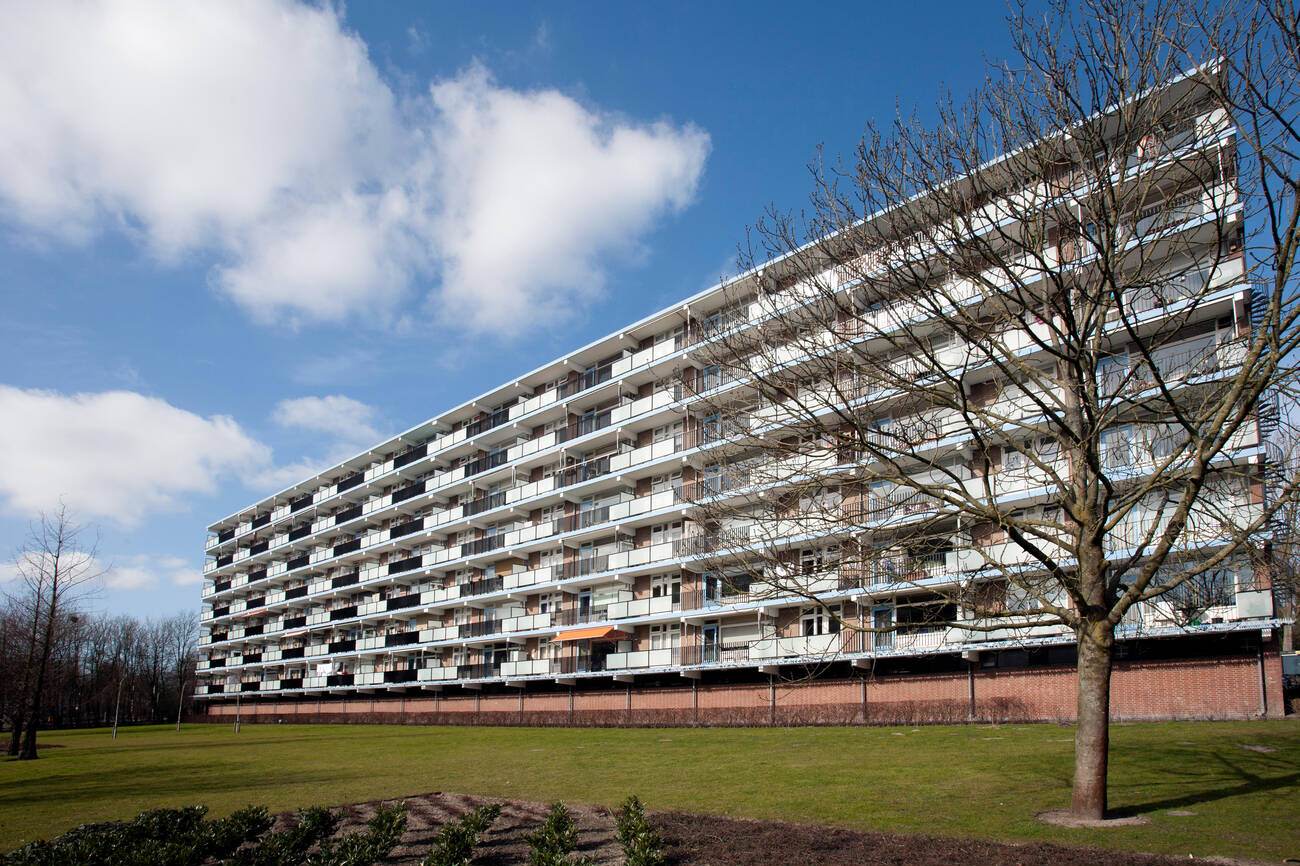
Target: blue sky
x=224 y=265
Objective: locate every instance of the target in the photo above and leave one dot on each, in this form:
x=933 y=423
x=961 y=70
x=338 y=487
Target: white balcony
x=526 y=623
x=642 y=607
x=528 y=667
x=436 y=674
x=821 y=645
x=654 y=658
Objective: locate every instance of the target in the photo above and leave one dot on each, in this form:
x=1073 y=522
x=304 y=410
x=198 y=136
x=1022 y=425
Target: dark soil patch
x=706 y=840
x=701 y=839
x=504 y=844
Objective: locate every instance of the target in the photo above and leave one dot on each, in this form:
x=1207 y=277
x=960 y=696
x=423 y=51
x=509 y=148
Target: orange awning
x=596 y=632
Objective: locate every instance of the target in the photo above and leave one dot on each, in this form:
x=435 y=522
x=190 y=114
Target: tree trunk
x=28 y=752
x=21 y=703
x=1092 y=736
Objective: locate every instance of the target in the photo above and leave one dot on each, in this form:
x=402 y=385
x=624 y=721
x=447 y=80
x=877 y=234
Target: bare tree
x=57 y=568
x=183 y=641
x=1007 y=373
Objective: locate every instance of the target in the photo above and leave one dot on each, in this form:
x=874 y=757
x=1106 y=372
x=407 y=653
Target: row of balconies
x=1144 y=619
x=877 y=574
x=893 y=506
x=514 y=497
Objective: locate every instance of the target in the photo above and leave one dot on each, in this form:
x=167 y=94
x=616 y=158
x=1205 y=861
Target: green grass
x=967 y=781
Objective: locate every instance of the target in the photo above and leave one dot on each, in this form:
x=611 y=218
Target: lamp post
x=117 y=705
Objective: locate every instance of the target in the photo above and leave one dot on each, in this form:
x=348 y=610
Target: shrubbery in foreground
x=183 y=837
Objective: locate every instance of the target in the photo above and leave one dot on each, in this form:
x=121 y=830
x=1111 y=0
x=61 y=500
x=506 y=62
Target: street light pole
x=117 y=705
x=180 y=705
x=238 y=698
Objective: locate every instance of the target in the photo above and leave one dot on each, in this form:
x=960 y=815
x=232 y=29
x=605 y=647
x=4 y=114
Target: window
x=672 y=431
x=1012 y=460
x=666 y=532
x=814 y=621
x=547 y=649
x=1111 y=371
x=1118 y=447
x=667 y=585
x=814 y=560
x=664 y=483
x=711 y=377
x=665 y=636
x=549 y=602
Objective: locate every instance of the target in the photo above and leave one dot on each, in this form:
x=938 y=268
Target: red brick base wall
x=1226 y=688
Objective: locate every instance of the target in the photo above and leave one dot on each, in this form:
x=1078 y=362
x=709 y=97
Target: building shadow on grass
x=1240 y=780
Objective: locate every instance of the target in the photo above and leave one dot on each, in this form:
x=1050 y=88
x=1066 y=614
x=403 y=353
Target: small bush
x=642 y=844
x=157 y=837
x=455 y=842
x=364 y=847
x=289 y=847
x=553 y=842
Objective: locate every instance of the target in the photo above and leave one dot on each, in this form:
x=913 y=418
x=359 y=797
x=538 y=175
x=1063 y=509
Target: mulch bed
x=706 y=840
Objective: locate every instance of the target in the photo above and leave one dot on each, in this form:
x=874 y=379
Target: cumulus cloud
x=342 y=418
x=115 y=455
x=262 y=133
x=341 y=425
x=536 y=190
x=147 y=571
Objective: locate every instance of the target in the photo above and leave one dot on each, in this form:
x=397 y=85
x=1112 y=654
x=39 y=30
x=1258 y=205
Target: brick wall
x=1206 y=688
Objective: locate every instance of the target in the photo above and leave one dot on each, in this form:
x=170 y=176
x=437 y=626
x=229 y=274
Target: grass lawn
x=1240 y=780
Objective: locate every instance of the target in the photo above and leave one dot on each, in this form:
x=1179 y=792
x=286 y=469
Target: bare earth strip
x=709 y=840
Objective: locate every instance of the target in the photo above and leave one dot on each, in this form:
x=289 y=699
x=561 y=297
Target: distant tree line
x=62 y=666
x=95 y=655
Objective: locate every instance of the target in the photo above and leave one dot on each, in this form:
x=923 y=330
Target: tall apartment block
x=539 y=553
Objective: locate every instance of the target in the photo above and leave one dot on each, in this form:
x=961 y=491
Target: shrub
x=158 y=837
x=553 y=842
x=289 y=847
x=642 y=845
x=364 y=847
x=455 y=842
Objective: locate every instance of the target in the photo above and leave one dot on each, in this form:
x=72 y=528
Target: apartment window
x=1013 y=460
x=551 y=513
x=1111 y=371
x=549 y=602
x=547 y=649
x=667 y=585
x=814 y=621
x=664 y=483
x=814 y=560
x=710 y=377
x=1167 y=441
x=665 y=636
x=711 y=425
x=1118 y=447
x=666 y=532
x=672 y=431
x=941 y=340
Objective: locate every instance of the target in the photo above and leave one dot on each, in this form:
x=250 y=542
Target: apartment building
x=547 y=540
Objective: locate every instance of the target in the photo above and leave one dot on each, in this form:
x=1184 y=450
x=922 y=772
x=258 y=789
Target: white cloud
x=147 y=571
x=262 y=133
x=536 y=191
x=116 y=455
x=347 y=426
x=342 y=418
